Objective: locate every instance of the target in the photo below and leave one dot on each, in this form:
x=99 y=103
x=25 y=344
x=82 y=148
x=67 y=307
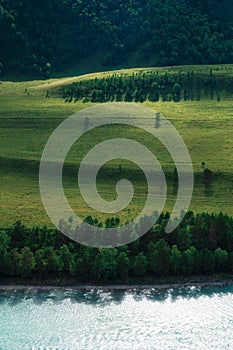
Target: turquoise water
x=190 y=318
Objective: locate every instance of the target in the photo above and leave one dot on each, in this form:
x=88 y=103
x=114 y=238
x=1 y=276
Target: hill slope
x=41 y=37
x=28 y=118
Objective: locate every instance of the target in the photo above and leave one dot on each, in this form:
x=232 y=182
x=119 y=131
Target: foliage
x=37 y=36
x=42 y=253
x=151 y=85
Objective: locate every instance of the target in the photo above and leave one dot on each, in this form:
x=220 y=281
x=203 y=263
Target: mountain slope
x=41 y=37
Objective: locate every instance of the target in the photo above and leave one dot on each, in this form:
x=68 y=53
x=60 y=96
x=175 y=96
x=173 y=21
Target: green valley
x=31 y=110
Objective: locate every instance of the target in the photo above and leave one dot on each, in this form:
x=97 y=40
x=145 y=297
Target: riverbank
x=198 y=282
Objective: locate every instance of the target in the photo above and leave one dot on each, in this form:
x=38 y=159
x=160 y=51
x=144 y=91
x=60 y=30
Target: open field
x=28 y=118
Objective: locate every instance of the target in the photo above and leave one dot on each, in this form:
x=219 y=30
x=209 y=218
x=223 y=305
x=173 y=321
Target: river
x=181 y=318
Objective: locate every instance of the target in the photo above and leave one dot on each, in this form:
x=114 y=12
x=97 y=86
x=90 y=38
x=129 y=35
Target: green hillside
x=43 y=38
x=31 y=110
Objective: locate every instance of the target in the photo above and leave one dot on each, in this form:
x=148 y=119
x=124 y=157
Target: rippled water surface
x=190 y=318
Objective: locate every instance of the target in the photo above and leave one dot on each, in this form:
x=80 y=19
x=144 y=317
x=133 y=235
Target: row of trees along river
x=202 y=244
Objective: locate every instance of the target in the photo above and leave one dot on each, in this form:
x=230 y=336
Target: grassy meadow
x=28 y=118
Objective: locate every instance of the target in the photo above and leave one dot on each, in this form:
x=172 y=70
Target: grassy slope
x=28 y=119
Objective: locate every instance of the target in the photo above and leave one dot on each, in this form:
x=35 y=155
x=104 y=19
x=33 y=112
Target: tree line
x=40 y=36
x=202 y=244
x=152 y=85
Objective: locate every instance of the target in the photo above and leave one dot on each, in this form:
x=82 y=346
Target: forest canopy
x=40 y=36
x=202 y=244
